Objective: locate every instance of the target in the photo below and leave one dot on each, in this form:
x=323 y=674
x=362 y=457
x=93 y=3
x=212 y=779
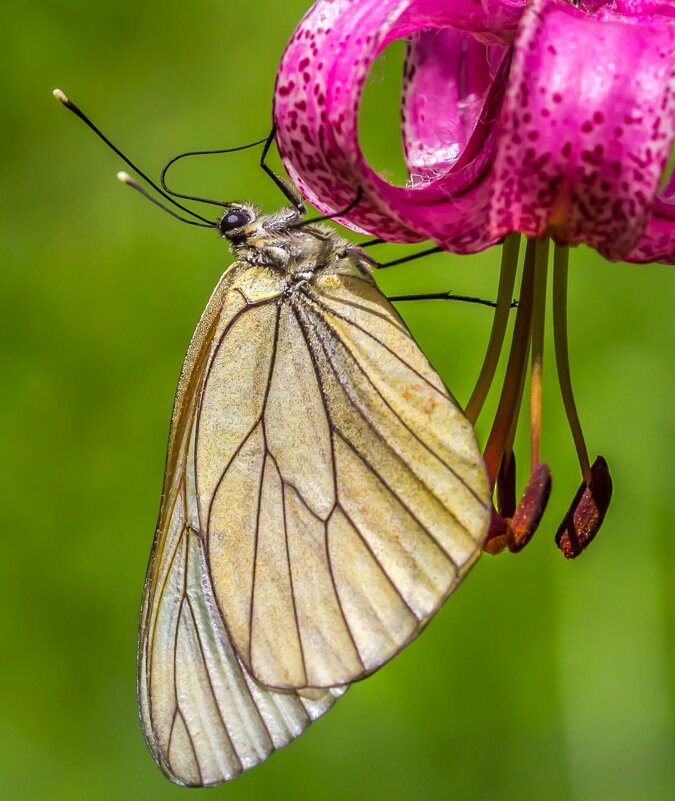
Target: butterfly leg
x=446 y=296
x=284 y=188
x=334 y=214
x=406 y=259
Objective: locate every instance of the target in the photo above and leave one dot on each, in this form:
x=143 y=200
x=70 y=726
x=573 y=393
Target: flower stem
x=501 y=432
x=560 y=269
x=538 y=319
x=507 y=279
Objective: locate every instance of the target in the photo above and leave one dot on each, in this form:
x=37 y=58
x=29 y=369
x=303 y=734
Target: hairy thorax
x=276 y=261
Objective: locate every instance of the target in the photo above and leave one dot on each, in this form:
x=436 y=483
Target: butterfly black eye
x=233 y=219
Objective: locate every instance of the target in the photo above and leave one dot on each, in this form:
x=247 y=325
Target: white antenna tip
x=60 y=96
x=124 y=177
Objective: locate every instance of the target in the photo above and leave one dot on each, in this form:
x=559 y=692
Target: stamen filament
x=507 y=279
x=560 y=269
x=538 y=319
x=507 y=409
x=508 y=463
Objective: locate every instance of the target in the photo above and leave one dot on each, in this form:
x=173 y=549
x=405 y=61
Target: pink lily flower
x=550 y=118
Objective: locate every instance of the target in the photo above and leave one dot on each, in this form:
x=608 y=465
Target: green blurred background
x=541 y=679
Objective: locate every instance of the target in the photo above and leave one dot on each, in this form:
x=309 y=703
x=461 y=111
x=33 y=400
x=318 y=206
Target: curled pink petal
x=587 y=126
x=658 y=241
x=489 y=20
x=642 y=7
x=576 y=152
x=446 y=80
x=317 y=99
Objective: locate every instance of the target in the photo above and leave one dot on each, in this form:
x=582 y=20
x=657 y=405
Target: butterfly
x=324 y=494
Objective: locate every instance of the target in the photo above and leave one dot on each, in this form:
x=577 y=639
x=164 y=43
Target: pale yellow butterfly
x=323 y=496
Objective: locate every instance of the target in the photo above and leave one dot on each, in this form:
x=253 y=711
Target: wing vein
x=372 y=469
x=151 y=640
x=202 y=391
x=260 y=488
x=211 y=687
x=175 y=643
x=384 y=317
x=375 y=558
x=175 y=666
x=401 y=420
x=243 y=442
x=380 y=478
x=192 y=747
x=315 y=300
x=171 y=728
x=288 y=561
x=331 y=573
x=324 y=403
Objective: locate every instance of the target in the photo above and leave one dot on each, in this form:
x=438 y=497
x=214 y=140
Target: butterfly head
x=235 y=224
x=270 y=239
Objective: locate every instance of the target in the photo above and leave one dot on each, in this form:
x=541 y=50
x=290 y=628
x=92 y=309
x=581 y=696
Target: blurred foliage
x=541 y=679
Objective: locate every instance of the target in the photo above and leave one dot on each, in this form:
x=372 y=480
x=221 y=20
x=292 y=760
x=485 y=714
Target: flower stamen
x=586 y=512
x=560 y=270
x=530 y=508
x=501 y=434
x=538 y=319
x=507 y=280
x=513 y=524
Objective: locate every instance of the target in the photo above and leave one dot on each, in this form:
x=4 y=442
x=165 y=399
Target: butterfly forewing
x=340 y=488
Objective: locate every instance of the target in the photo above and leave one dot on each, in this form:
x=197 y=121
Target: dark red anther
x=530 y=507
x=506 y=485
x=515 y=532
x=586 y=513
x=499 y=534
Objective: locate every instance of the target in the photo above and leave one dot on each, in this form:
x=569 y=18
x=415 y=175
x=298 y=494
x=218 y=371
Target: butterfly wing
x=344 y=492
x=205 y=719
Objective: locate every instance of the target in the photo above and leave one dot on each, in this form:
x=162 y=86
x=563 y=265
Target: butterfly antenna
x=125 y=178
x=172 y=161
x=61 y=97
